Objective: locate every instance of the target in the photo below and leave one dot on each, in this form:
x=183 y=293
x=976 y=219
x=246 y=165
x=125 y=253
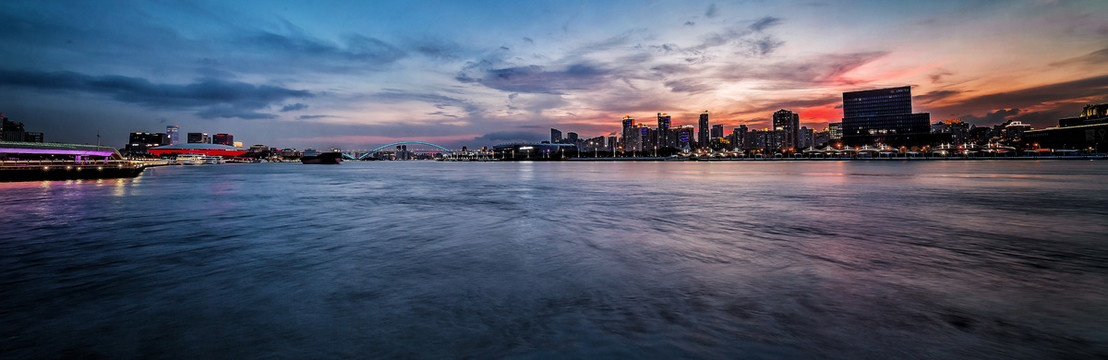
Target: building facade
x=883 y=116
x=199 y=138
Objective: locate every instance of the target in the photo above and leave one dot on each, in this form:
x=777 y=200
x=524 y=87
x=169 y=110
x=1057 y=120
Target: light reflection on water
x=971 y=259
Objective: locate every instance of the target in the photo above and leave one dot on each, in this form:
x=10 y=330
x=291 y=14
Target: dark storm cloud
x=219 y=98
x=536 y=79
x=294 y=107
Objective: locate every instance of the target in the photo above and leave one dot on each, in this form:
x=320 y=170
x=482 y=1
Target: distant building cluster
x=878 y=119
x=140 y=143
x=14 y=132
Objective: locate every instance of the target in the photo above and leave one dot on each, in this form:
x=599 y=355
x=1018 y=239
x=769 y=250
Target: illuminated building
x=789 y=122
x=883 y=116
x=197 y=148
x=684 y=137
x=223 y=139
x=555 y=136
x=172 y=132
x=702 y=138
x=138 y=143
x=663 y=130
x=1088 y=131
x=628 y=127
x=835 y=131
x=199 y=138
x=1091 y=114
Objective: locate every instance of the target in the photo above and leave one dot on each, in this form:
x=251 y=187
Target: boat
x=315 y=157
x=190 y=159
x=213 y=159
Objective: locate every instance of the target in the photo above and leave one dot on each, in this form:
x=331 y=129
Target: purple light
x=56 y=152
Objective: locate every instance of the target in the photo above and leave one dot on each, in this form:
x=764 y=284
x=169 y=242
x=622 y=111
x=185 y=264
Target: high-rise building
x=224 y=139
x=717 y=131
x=883 y=116
x=702 y=137
x=571 y=138
x=138 y=143
x=555 y=136
x=628 y=131
x=835 y=131
x=789 y=122
x=171 y=131
x=199 y=138
x=683 y=138
x=738 y=137
x=663 y=130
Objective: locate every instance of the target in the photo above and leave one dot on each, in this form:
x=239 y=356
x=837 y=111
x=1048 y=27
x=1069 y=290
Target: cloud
x=995 y=117
x=294 y=107
x=364 y=51
x=309 y=117
x=535 y=78
x=764 y=23
x=935 y=96
x=219 y=98
x=1098 y=57
x=712 y=11
x=938 y=75
x=505 y=136
x=1092 y=87
x=828 y=69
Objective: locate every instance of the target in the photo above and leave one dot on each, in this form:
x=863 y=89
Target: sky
x=360 y=74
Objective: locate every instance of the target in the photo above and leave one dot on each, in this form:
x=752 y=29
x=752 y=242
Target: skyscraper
x=702 y=137
x=171 y=132
x=883 y=116
x=789 y=122
x=663 y=130
x=571 y=138
x=555 y=136
x=628 y=131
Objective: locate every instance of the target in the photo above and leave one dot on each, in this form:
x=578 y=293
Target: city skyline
x=458 y=74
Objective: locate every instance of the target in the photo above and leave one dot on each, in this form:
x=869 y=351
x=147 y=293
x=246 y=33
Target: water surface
x=849 y=260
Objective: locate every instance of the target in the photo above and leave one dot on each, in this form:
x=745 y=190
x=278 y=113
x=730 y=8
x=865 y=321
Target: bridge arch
x=382 y=147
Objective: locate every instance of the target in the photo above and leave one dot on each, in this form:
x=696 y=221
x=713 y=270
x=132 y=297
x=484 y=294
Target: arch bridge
x=390 y=147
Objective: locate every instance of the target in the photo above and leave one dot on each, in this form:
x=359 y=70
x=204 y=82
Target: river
x=836 y=259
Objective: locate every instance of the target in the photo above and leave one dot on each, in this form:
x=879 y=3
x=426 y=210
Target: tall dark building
x=663 y=130
x=628 y=131
x=199 y=138
x=224 y=139
x=789 y=122
x=717 y=131
x=883 y=116
x=139 y=142
x=555 y=136
x=571 y=138
x=702 y=137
